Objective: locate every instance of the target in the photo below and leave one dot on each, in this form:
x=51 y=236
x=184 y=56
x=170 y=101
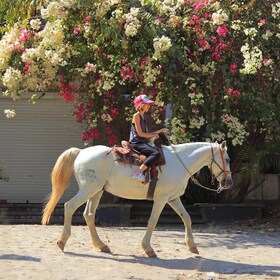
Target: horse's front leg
x=178 y=207
x=89 y=215
x=146 y=242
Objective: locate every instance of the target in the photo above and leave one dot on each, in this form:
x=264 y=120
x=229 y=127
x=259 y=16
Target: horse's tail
x=60 y=177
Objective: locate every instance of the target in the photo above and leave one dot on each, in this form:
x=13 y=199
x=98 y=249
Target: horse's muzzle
x=227 y=182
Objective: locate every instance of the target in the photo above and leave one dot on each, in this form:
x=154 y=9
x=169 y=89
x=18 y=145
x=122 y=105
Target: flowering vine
x=214 y=62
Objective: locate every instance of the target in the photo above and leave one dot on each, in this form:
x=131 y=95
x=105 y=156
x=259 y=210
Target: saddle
x=126 y=154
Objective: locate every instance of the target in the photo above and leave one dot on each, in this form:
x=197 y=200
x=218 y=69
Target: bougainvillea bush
x=216 y=63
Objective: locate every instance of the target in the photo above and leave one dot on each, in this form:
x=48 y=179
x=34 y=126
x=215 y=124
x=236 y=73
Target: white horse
x=96 y=171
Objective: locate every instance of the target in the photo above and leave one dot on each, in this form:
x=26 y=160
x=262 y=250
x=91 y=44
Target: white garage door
x=31 y=142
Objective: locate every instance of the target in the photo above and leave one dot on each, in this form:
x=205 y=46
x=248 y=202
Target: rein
x=194 y=180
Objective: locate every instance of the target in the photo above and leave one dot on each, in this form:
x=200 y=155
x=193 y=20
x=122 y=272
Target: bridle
x=223 y=170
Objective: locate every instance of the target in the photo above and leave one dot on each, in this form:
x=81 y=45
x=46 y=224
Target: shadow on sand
x=196 y=263
x=19 y=258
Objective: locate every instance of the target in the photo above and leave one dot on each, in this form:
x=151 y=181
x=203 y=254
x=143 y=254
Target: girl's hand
x=163 y=130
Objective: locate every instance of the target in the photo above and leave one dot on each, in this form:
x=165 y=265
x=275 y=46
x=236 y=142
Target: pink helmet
x=142 y=99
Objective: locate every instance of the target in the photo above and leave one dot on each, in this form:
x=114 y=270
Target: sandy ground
x=226 y=252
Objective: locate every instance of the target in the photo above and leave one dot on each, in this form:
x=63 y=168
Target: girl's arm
x=141 y=133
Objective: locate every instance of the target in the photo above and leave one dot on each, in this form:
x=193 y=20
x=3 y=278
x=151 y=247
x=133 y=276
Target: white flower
x=275 y=10
x=12 y=79
x=35 y=24
x=161 y=45
x=54 y=8
x=252 y=32
x=8 y=43
x=68 y=3
x=267 y=35
x=235 y=130
x=132 y=22
x=131 y=30
x=9 y=113
x=196 y=98
x=197 y=122
x=217 y=136
x=219 y=17
x=45 y=13
x=104 y=6
x=236 y=25
x=150 y=74
x=216 y=5
x=166 y=7
x=117 y=14
x=253 y=59
x=106 y=85
x=194 y=67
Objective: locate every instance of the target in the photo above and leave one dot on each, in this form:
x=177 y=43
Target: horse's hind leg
x=178 y=207
x=69 y=209
x=89 y=215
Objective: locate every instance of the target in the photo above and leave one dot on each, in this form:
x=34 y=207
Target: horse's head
x=220 y=166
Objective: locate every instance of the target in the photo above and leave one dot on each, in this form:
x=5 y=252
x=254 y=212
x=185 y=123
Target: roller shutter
x=31 y=142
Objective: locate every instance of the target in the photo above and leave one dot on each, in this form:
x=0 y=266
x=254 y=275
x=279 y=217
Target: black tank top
x=134 y=137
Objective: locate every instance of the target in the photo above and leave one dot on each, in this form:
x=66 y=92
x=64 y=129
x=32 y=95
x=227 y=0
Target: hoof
x=105 y=249
x=194 y=250
x=61 y=245
x=151 y=254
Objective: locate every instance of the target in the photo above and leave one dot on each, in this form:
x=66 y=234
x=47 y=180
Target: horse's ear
x=224 y=145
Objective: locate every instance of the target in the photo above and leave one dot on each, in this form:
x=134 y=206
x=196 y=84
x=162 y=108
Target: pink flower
x=236 y=93
x=216 y=55
x=90 y=134
x=93 y=133
x=198 y=6
x=267 y=61
x=26 y=68
x=66 y=90
x=86 y=19
x=77 y=30
x=154 y=92
x=114 y=112
x=233 y=93
x=104 y=117
x=89 y=66
x=159 y=21
x=194 y=19
x=24 y=35
x=112 y=139
x=233 y=68
x=214 y=39
x=222 y=30
x=79 y=113
x=108 y=130
x=262 y=22
x=204 y=44
x=230 y=90
x=85 y=136
x=127 y=72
